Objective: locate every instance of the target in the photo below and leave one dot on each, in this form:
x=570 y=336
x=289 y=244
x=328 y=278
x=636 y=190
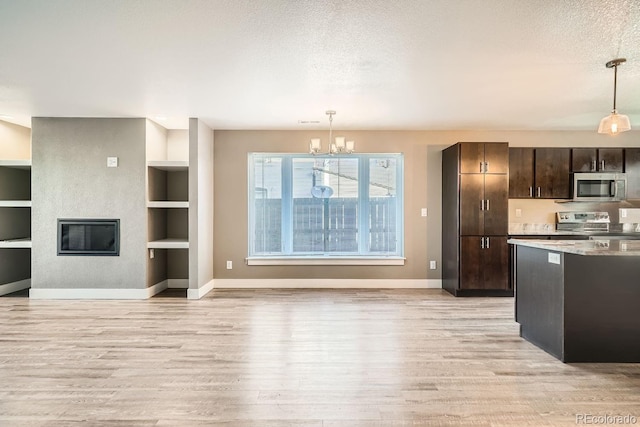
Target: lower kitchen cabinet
x=484 y=263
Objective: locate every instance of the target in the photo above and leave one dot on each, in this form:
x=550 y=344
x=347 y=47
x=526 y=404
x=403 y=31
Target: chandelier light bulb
x=339 y=145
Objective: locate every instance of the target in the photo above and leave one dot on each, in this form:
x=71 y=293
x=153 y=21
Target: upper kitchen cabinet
x=632 y=168
x=541 y=173
x=597 y=160
x=485 y=157
x=552 y=173
x=521 y=173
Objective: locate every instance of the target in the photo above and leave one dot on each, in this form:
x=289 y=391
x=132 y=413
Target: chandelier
x=338 y=146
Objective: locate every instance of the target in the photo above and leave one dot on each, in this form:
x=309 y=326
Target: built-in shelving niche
x=15 y=225
x=168 y=208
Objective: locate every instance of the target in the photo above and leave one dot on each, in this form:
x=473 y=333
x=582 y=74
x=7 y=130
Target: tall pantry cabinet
x=475 y=190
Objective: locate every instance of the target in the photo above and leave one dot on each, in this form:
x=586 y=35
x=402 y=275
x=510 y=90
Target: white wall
x=15 y=142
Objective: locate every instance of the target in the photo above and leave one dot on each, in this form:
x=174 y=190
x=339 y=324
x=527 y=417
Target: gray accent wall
x=200 y=204
x=70 y=179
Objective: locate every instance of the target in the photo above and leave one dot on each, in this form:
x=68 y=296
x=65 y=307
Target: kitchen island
x=579 y=300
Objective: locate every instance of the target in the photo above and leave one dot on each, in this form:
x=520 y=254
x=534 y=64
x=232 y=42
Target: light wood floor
x=292 y=358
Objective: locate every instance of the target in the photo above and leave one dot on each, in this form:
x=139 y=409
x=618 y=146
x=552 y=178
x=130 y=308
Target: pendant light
x=614 y=123
x=339 y=146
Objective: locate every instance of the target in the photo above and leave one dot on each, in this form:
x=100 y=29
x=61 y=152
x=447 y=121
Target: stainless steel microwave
x=599 y=187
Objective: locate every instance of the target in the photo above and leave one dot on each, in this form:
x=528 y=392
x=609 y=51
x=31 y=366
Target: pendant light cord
x=615 y=84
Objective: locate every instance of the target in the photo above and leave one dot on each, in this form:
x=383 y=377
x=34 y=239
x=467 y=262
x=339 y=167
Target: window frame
x=287 y=256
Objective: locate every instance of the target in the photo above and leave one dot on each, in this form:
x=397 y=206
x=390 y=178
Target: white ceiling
x=265 y=64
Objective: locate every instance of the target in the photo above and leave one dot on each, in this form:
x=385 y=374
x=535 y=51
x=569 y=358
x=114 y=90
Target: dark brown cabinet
x=541 y=173
x=484 y=262
x=484 y=204
x=484 y=157
x=521 y=173
x=475 y=197
x=597 y=160
x=632 y=169
x=553 y=180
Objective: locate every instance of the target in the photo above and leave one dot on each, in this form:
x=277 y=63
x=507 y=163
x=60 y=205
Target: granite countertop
x=598 y=247
x=546 y=229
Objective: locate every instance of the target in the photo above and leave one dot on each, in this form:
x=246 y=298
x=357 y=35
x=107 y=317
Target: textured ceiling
x=265 y=64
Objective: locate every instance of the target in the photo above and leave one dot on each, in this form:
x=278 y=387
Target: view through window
x=304 y=205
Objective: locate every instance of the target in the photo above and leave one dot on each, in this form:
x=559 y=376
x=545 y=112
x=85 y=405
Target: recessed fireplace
x=89 y=237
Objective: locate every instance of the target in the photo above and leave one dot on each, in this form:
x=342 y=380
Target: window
x=325 y=206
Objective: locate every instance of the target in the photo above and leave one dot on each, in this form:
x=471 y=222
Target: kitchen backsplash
x=540 y=212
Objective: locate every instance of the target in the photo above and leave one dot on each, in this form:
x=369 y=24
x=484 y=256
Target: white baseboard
x=146 y=293
x=201 y=291
x=328 y=283
x=8 y=288
x=137 y=294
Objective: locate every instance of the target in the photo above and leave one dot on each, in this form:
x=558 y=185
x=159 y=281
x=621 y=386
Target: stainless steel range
x=583 y=221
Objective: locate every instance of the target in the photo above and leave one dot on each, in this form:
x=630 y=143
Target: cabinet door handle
x=530 y=191
x=487 y=244
x=486 y=167
x=482 y=243
x=602 y=165
x=481 y=167
x=539 y=192
x=482 y=204
x=593 y=166
x=487 y=205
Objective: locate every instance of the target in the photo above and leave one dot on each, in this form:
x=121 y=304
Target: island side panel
x=539 y=299
x=602 y=311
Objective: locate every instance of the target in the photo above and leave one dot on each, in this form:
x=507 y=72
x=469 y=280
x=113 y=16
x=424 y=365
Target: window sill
x=325 y=261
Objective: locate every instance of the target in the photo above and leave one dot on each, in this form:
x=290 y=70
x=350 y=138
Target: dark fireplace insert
x=89 y=237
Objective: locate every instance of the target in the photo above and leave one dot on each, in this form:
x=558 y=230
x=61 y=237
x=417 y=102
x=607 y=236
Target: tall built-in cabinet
x=167 y=207
x=475 y=188
x=15 y=208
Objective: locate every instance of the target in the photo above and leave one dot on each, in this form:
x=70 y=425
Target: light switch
x=623 y=213
x=518 y=213
x=112 y=162
x=423 y=212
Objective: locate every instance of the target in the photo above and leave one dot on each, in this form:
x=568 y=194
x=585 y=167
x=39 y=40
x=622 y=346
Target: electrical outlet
x=423 y=212
x=623 y=213
x=152 y=254
x=432 y=265
x=229 y=265
x=518 y=213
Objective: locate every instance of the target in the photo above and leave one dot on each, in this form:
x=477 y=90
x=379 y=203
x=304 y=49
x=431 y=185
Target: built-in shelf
x=166 y=204
x=15 y=224
x=16 y=164
x=169 y=244
x=15 y=203
x=16 y=243
x=169 y=165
